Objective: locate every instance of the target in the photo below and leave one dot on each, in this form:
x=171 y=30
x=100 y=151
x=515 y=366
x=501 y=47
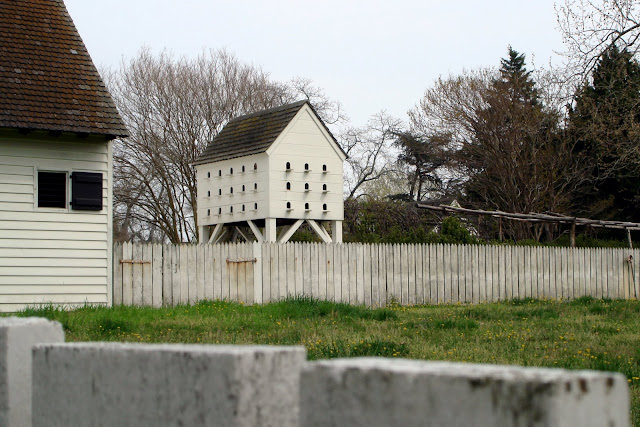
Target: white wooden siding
x=208 y=205
x=52 y=255
x=305 y=142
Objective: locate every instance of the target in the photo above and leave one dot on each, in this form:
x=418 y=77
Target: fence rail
x=374 y=275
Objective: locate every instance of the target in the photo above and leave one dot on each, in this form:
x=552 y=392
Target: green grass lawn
x=583 y=334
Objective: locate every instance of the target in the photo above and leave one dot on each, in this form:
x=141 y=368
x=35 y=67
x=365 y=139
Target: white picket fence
x=374 y=275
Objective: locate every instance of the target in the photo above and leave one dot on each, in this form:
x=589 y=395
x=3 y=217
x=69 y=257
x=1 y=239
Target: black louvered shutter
x=86 y=191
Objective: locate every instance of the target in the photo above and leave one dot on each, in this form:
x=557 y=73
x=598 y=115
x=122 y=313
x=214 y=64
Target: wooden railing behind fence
x=374 y=275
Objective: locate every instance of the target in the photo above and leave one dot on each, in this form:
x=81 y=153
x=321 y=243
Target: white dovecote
x=271 y=170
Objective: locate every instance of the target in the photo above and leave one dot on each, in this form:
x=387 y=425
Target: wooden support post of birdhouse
x=336 y=231
x=500 y=235
x=270 y=234
x=203 y=234
x=573 y=234
x=629 y=239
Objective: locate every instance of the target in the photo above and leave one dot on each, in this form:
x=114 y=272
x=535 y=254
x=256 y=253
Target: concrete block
x=17 y=337
x=116 y=384
x=395 y=392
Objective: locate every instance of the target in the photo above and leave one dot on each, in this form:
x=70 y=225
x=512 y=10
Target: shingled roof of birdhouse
x=47 y=78
x=252 y=133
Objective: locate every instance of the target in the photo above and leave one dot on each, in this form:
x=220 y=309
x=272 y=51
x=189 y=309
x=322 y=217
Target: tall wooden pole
x=573 y=234
x=629 y=239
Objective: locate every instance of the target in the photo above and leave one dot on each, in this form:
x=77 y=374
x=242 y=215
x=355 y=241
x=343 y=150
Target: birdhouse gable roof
x=252 y=133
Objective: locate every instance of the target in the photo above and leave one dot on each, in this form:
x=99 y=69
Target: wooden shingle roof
x=249 y=134
x=47 y=78
x=253 y=133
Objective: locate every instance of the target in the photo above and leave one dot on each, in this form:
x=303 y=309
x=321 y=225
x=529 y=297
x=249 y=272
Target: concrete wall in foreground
x=114 y=384
x=17 y=337
x=45 y=383
x=382 y=392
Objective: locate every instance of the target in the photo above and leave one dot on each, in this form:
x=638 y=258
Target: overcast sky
x=369 y=55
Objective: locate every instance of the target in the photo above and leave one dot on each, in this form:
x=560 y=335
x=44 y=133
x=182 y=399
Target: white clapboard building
x=271 y=170
x=57 y=121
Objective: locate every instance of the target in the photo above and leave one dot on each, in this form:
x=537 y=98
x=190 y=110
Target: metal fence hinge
x=233 y=261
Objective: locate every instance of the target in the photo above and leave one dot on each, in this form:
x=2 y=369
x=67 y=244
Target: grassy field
x=582 y=334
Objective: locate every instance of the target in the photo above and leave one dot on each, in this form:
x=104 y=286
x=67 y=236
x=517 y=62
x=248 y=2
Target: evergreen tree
x=604 y=126
x=516 y=80
x=512 y=161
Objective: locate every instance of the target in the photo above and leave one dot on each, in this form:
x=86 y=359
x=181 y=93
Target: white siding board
x=54 y=244
x=53 y=235
x=19 y=188
x=16 y=197
x=26 y=180
x=47 y=226
x=50 y=290
x=53 y=262
x=54 y=271
x=73 y=217
x=7 y=168
x=52 y=280
x=55 y=164
x=15 y=206
x=55 y=299
x=51 y=253
x=63 y=152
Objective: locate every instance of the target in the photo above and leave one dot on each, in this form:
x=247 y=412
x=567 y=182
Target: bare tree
x=330 y=111
x=173 y=108
x=370 y=151
x=589 y=27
